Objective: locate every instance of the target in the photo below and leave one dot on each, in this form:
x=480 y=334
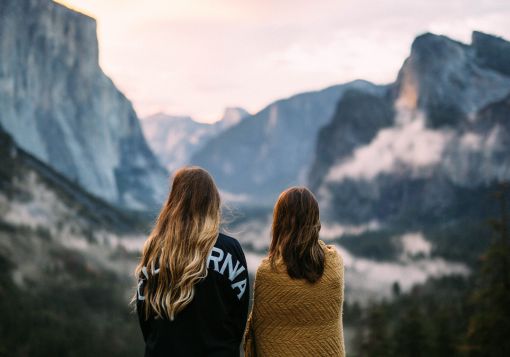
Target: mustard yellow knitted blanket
x=292 y=317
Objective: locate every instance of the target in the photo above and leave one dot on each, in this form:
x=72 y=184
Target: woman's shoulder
x=264 y=266
x=227 y=252
x=229 y=244
x=226 y=240
x=328 y=248
x=268 y=270
x=331 y=251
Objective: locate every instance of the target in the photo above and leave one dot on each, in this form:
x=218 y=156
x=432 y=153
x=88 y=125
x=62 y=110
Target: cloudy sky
x=195 y=57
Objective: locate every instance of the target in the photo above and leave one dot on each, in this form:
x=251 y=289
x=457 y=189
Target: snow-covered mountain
x=174 y=139
x=57 y=104
x=273 y=148
x=447 y=141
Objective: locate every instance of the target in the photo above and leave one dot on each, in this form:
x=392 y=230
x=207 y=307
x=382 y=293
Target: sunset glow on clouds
x=195 y=57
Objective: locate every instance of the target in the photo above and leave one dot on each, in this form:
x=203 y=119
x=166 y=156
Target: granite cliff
x=57 y=104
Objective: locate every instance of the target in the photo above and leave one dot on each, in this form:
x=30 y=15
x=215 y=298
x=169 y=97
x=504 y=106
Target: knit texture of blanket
x=292 y=317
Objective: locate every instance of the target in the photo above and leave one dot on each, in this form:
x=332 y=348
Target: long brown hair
x=184 y=234
x=295 y=234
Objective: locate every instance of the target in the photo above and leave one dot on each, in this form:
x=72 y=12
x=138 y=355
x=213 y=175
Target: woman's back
x=213 y=322
x=292 y=317
x=192 y=296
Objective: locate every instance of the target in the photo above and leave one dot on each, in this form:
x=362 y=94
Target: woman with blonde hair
x=192 y=294
x=298 y=294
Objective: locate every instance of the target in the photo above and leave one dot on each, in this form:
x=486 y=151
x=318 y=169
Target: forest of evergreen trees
x=86 y=314
x=448 y=316
x=89 y=314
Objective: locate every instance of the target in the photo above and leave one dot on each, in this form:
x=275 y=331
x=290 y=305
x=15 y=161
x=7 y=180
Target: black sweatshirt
x=213 y=323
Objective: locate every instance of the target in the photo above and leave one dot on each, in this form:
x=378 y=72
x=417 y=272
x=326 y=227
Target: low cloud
x=410 y=145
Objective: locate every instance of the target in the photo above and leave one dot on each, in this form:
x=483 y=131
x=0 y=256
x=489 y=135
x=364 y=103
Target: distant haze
x=198 y=57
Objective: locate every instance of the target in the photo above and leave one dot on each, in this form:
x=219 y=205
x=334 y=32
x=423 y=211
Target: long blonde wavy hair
x=183 y=236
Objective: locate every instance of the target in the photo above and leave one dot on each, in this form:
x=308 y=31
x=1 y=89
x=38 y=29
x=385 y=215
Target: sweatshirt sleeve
x=245 y=298
x=144 y=323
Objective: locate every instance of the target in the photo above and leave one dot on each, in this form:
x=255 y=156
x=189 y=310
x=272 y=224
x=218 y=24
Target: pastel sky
x=195 y=57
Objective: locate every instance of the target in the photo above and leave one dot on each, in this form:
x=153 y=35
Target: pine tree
x=375 y=341
x=410 y=336
x=442 y=337
x=489 y=326
x=396 y=290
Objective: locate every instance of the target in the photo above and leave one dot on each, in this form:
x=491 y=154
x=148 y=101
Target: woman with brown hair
x=298 y=296
x=192 y=295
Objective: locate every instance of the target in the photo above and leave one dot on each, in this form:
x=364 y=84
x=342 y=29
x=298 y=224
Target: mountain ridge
x=273 y=146
x=175 y=138
x=449 y=137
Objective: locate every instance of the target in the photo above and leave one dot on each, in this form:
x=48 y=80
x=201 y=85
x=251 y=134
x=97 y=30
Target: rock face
x=492 y=52
x=447 y=80
x=358 y=118
x=174 y=139
x=273 y=149
x=57 y=104
x=446 y=144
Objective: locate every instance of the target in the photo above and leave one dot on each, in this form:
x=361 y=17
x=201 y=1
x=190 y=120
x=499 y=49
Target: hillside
x=64 y=263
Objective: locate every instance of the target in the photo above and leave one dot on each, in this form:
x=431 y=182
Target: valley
x=405 y=174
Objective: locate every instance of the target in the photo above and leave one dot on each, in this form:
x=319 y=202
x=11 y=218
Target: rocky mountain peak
x=448 y=139
x=428 y=51
x=232 y=116
x=447 y=80
x=492 y=51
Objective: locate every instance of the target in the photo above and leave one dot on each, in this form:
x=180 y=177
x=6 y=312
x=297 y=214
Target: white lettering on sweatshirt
x=219 y=263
